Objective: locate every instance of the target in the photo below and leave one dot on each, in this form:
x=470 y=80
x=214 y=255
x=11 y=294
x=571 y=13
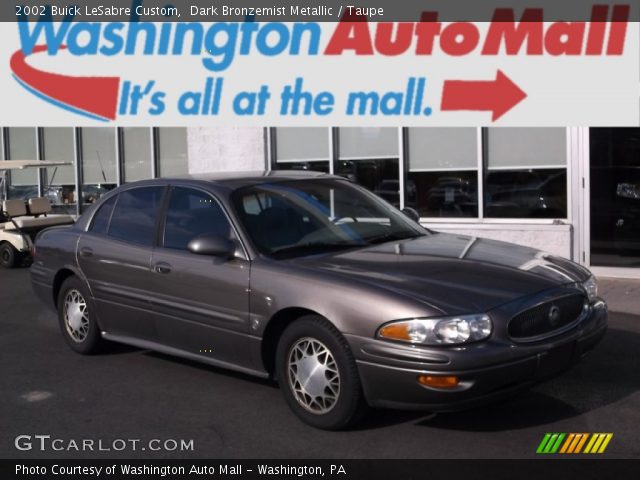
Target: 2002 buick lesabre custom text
x=314 y=281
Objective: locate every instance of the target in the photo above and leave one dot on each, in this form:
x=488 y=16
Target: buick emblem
x=554 y=315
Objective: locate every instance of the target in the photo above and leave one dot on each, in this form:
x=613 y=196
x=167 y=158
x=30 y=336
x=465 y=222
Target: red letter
x=386 y=44
x=466 y=32
x=426 y=31
x=503 y=27
x=618 y=30
x=565 y=38
x=595 y=39
x=352 y=33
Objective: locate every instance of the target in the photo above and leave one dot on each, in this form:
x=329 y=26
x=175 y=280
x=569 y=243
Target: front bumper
x=486 y=370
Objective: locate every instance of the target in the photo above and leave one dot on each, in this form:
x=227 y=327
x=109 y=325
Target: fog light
x=433 y=381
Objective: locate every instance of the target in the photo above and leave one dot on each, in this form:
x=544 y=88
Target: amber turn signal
x=396 y=331
x=433 y=381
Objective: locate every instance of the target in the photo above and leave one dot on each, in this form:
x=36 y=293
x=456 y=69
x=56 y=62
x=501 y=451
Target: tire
x=331 y=397
x=9 y=256
x=77 y=323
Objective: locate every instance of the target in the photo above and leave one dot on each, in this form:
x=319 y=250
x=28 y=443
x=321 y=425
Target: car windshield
x=303 y=217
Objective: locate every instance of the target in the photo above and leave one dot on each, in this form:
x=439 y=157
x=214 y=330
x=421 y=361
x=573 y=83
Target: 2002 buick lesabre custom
x=320 y=284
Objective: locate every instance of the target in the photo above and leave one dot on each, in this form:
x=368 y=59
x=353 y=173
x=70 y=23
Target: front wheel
x=318 y=375
x=77 y=322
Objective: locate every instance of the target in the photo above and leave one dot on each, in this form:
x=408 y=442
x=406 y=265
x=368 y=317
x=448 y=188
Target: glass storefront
x=101 y=158
x=443 y=165
x=615 y=197
x=526 y=174
x=302 y=149
x=21 y=144
x=173 y=151
x=137 y=146
x=521 y=172
x=60 y=183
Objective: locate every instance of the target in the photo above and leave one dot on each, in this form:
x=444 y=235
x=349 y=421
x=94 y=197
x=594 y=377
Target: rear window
x=135 y=215
x=100 y=223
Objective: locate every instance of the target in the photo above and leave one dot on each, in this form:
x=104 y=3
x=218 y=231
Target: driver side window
x=192 y=213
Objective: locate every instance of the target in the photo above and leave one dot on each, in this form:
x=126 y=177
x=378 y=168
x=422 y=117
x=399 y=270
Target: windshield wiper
x=316 y=246
x=391 y=236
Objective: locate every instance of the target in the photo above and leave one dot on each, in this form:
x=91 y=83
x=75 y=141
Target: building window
x=302 y=149
x=526 y=175
x=521 y=172
x=172 y=151
x=442 y=180
x=137 y=145
x=615 y=196
x=60 y=181
x=99 y=163
x=22 y=145
x=370 y=157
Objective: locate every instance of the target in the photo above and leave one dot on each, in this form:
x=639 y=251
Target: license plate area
x=555 y=360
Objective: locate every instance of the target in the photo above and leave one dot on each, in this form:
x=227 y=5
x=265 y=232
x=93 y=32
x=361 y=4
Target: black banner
x=539 y=469
x=314 y=11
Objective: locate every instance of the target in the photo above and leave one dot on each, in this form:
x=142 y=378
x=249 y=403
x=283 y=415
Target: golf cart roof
x=22 y=164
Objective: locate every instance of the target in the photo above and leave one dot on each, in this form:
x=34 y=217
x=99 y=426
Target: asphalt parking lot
x=133 y=394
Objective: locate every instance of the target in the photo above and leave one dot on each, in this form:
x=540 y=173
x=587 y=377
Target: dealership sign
x=517 y=69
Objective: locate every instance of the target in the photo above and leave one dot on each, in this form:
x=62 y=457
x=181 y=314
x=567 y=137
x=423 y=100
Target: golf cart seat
x=36 y=217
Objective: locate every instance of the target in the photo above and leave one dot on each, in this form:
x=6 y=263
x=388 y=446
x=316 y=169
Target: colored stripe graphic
x=543 y=443
x=573 y=443
x=598 y=443
x=550 y=443
x=95 y=97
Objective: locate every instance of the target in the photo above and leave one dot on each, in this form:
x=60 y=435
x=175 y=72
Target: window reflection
x=540 y=193
x=305 y=166
x=615 y=196
x=443 y=194
x=379 y=176
x=60 y=183
x=99 y=163
x=22 y=146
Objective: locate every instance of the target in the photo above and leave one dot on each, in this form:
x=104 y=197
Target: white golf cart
x=22 y=219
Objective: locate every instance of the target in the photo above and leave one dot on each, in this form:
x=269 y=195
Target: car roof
x=234 y=180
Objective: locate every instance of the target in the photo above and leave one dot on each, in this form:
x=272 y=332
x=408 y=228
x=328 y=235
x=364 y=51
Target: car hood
x=452 y=273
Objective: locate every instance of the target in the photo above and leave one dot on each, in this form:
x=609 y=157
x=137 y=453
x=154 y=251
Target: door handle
x=86 y=252
x=162 y=268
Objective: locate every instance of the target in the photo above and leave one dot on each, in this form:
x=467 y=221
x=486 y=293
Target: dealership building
x=573 y=192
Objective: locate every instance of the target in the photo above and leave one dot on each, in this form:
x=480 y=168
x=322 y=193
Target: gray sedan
x=314 y=281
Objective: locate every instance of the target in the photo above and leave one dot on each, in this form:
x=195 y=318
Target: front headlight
x=591 y=287
x=439 y=331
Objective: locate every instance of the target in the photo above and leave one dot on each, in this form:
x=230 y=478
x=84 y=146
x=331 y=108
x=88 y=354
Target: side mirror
x=412 y=214
x=211 y=244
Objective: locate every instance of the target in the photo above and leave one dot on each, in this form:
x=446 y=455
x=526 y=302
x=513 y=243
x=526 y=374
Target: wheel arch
x=59 y=278
x=276 y=325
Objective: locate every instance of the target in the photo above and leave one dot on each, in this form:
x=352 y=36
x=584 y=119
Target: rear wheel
x=318 y=375
x=77 y=322
x=9 y=256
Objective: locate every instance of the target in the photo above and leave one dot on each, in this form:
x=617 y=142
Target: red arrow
x=96 y=96
x=498 y=96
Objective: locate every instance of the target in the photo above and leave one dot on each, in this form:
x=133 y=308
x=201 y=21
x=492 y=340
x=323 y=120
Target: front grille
x=547 y=318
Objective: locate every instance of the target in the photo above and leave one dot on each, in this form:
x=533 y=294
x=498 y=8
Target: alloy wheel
x=76 y=316
x=313 y=375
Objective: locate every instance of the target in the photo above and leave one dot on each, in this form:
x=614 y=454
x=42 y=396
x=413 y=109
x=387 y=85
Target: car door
x=200 y=302
x=115 y=257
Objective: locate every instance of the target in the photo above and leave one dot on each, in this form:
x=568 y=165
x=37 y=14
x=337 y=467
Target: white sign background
x=562 y=91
